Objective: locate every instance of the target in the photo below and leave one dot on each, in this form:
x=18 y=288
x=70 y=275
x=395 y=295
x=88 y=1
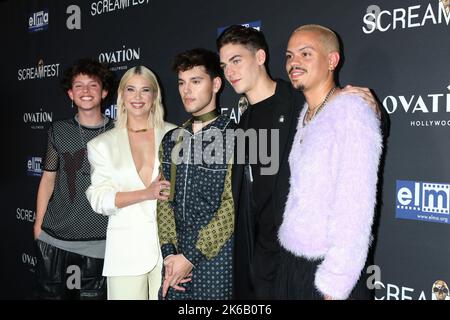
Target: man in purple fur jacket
x=259 y=199
x=326 y=230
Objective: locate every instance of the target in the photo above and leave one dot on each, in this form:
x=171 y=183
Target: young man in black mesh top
x=70 y=236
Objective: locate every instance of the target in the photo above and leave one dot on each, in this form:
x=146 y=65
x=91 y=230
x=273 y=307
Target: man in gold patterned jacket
x=196 y=224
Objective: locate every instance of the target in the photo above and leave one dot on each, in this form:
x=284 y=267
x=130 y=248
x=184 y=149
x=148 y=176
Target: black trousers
x=295 y=280
x=63 y=275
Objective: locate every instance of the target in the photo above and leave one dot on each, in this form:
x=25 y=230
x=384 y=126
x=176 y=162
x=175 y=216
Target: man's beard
x=299 y=86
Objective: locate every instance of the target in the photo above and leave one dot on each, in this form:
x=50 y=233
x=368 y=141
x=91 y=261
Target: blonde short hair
x=156 y=116
x=328 y=38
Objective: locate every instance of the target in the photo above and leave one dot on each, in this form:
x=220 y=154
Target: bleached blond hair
x=156 y=116
x=328 y=38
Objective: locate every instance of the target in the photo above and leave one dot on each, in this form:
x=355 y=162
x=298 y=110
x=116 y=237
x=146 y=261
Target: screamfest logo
x=440 y=291
x=233 y=113
x=25 y=215
x=390 y=291
x=37 y=119
x=106 y=6
x=446 y=5
x=377 y=19
x=433 y=104
x=39 y=72
x=119 y=57
x=236 y=113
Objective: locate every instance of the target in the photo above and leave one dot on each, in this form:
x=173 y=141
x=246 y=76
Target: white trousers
x=141 y=287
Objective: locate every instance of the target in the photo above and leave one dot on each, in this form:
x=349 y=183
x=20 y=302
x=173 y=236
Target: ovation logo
x=433 y=103
x=37 y=119
x=29 y=259
x=415 y=16
x=120 y=56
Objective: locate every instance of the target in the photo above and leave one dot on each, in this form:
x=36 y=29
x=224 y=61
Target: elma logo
x=424 y=201
x=111 y=111
x=38 y=21
x=254 y=24
x=34 y=166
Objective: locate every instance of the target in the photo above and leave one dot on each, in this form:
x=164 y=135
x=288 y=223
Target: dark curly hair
x=198 y=57
x=91 y=68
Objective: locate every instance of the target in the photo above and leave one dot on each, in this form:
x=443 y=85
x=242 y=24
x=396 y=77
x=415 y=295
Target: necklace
x=82 y=135
x=207 y=116
x=243 y=104
x=319 y=108
x=139 y=130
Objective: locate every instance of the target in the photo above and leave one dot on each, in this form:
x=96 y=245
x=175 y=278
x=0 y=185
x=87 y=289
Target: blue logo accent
x=34 y=166
x=111 y=111
x=425 y=201
x=254 y=24
x=38 y=21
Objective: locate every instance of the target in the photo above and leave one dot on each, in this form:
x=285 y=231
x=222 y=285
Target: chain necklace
x=82 y=135
x=319 y=108
x=243 y=104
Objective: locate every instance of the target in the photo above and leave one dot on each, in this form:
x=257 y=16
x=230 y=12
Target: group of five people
x=189 y=213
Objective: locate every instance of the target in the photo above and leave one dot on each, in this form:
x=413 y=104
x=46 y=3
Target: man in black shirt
x=70 y=236
x=259 y=193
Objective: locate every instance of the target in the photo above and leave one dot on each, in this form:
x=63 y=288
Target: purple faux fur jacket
x=329 y=210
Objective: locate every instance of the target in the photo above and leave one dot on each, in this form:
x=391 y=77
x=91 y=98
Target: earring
x=72 y=103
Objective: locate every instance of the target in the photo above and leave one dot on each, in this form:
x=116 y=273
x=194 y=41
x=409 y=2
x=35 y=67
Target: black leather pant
x=63 y=275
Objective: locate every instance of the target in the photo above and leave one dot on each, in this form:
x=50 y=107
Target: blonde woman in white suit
x=125 y=185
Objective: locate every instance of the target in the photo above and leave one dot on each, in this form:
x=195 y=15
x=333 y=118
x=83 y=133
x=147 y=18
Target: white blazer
x=132 y=244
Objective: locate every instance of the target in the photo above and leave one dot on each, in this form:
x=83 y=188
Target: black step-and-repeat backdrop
x=399 y=48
